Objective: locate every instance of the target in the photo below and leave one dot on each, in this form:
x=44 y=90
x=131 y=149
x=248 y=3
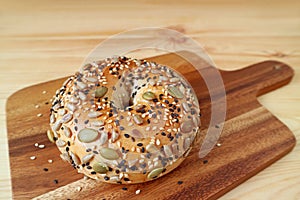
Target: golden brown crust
x=124 y=120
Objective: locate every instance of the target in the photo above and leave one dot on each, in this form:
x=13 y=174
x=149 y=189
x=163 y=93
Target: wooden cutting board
x=251 y=140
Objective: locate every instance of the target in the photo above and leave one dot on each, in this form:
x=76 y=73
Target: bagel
x=124 y=120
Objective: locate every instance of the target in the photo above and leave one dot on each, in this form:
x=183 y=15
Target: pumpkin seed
x=137 y=119
x=100 y=168
x=75 y=158
x=100 y=91
x=87 y=135
x=87 y=158
x=60 y=143
x=67 y=131
x=149 y=95
x=109 y=154
x=50 y=136
x=187 y=126
x=155 y=173
x=175 y=92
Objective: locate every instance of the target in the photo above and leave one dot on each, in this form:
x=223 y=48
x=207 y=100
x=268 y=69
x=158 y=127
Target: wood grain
x=45 y=40
x=252 y=139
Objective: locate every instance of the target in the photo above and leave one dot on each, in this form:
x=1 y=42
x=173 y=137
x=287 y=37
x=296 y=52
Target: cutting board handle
x=259 y=78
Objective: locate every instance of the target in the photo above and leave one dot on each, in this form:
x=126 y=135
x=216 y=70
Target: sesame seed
x=139 y=144
x=37 y=106
x=44 y=92
x=50 y=161
x=137 y=191
x=32 y=157
x=78 y=188
x=218 y=145
x=36 y=144
x=41 y=146
x=39 y=115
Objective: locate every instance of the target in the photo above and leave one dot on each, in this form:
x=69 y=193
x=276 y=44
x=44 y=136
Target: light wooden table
x=40 y=41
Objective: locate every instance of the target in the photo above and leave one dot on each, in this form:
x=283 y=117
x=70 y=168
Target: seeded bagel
x=123 y=120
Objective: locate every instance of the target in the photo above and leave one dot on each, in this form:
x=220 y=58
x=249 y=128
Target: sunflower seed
x=109 y=154
x=87 y=135
x=196 y=120
x=175 y=79
x=98 y=123
x=82 y=96
x=186 y=107
x=132 y=162
x=91 y=79
x=71 y=107
x=152 y=82
x=114 y=136
x=94 y=114
x=67 y=131
x=52 y=118
x=60 y=143
x=65 y=157
x=186 y=126
x=50 y=136
x=66 y=118
x=167 y=151
x=163 y=78
x=175 y=92
x=103 y=138
x=149 y=95
x=73 y=100
x=100 y=91
x=75 y=158
x=137 y=119
x=61 y=112
x=81 y=85
x=187 y=143
x=151 y=148
x=136 y=133
x=155 y=173
x=87 y=158
x=114 y=178
x=56 y=126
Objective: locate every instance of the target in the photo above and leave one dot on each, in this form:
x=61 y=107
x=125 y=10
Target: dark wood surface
x=251 y=140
